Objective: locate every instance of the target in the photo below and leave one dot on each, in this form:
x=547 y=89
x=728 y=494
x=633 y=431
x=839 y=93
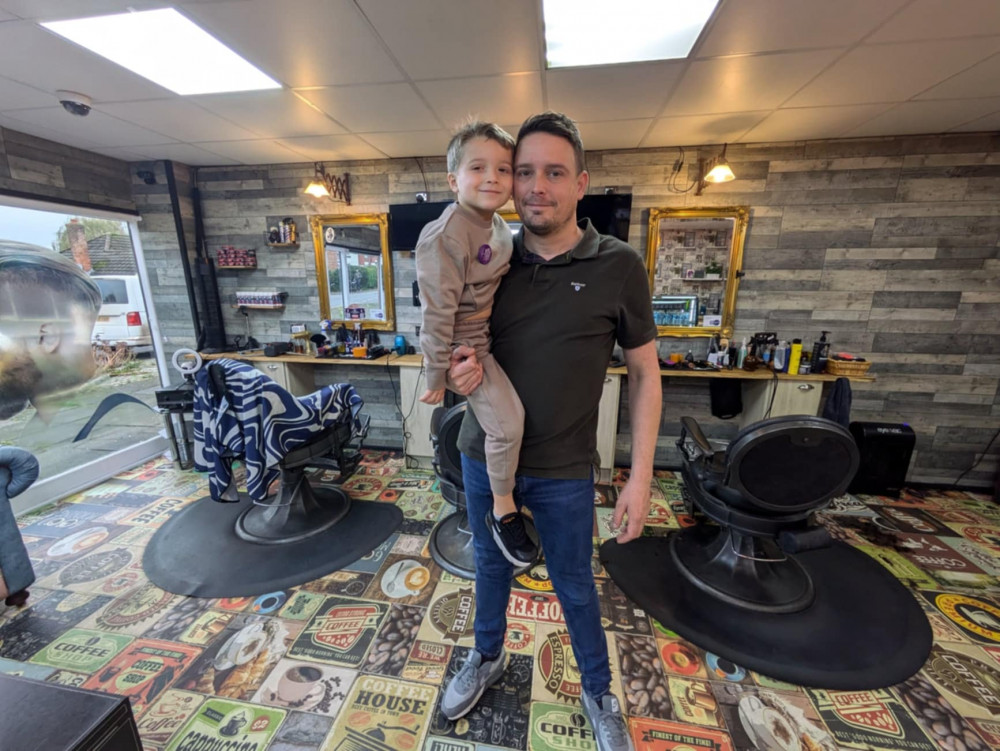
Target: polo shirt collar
x=586 y=248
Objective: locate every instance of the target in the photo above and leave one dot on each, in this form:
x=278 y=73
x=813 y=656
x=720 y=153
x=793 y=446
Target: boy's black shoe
x=511 y=537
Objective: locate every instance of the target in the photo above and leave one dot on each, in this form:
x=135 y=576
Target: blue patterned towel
x=260 y=420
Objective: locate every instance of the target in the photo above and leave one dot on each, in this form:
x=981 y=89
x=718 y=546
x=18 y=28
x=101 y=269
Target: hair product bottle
x=821 y=351
x=795 y=357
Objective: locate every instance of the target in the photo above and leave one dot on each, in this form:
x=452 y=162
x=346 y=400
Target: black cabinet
x=37 y=716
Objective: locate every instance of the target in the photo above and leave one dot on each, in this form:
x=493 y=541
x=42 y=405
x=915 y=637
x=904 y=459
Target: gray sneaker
x=609 y=726
x=469 y=683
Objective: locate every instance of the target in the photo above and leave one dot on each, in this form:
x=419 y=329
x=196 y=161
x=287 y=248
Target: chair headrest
x=792 y=463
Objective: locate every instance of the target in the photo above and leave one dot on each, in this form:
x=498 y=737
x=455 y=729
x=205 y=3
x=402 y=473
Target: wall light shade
x=714 y=170
x=720 y=173
x=324 y=185
x=316 y=189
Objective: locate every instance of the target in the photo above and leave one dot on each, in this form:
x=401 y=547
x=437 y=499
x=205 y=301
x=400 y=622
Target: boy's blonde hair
x=476 y=129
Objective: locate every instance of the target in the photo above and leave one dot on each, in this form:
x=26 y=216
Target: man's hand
x=466 y=372
x=633 y=500
x=432 y=397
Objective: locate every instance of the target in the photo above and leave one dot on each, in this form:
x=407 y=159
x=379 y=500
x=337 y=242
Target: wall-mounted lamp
x=333 y=187
x=714 y=170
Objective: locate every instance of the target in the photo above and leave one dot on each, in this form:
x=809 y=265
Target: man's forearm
x=645 y=408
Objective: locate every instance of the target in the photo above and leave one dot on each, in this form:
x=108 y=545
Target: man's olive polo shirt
x=554 y=326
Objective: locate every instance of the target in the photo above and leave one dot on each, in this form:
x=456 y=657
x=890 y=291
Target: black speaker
x=886 y=449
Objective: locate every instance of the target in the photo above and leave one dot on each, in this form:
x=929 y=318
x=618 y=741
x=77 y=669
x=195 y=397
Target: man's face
x=546 y=184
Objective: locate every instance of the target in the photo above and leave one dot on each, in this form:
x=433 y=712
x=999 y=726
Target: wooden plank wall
x=889 y=243
x=47 y=170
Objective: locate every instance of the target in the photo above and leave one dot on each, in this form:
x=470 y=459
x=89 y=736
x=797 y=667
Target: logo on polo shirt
x=577 y=286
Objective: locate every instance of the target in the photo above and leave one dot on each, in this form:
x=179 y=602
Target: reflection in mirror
x=694 y=257
x=354 y=270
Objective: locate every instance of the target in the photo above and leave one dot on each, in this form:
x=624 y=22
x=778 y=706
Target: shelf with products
x=239 y=268
x=259 y=299
x=290 y=246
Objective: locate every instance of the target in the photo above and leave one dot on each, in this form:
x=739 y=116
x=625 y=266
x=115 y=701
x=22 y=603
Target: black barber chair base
x=451 y=547
x=750 y=572
x=198 y=552
x=301 y=512
x=862 y=630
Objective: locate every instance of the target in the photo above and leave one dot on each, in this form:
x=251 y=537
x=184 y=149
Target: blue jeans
x=563 y=512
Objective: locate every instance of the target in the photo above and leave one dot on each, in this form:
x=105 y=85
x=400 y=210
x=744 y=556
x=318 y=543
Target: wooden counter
x=763 y=394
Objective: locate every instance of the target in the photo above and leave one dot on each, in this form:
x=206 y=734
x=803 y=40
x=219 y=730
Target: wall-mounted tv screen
x=608 y=213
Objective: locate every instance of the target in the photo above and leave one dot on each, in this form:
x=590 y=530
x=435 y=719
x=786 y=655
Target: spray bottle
x=742 y=354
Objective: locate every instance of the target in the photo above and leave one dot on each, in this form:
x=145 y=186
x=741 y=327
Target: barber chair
x=754 y=492
x=299 y=509
x=18 y=470
x=451 y=539
x=759 y=582
x=254 y=543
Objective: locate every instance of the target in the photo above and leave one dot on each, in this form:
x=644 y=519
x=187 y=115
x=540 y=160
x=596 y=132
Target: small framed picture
x=689 y=239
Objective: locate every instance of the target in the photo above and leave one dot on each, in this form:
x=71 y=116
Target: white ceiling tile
x=300 y=42
x=925 y=117
x=765 y=25
x=15 y=96
x=374 y=109
x=619 y=92
x=443 y=38
x=185 y=153
x=275 y=114
x=892 y=72
x=5 y=16
x=984 y=124
x=51 y=10
x=260 y=151
x=332 y=148
x=126 y=155
x=701 y=129
x=819 y=122
x=97 y=127
x=413 y=143
x=614 y=134
x=980 y=80
x=941 y=19
x=178 y=117
x=34 y=56
x=493 y=98
x=744 y=83
x=41 y=132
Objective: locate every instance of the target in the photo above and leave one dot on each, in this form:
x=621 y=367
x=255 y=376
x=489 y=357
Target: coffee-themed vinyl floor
x=357 y=660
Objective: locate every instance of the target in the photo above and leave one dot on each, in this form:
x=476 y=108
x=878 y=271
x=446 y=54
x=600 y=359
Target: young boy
x=460 y=258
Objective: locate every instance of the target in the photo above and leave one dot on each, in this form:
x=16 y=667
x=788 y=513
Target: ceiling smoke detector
x=74 y=102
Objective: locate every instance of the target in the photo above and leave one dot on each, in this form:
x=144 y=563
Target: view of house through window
x=74 y=330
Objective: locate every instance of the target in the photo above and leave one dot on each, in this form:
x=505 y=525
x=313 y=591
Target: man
x=569 y=296
x=48 y=308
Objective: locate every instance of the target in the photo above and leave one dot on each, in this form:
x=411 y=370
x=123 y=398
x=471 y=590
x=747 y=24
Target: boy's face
x=485 y=176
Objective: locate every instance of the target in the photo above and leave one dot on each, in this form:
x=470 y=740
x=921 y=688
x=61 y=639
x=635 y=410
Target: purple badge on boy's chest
x=485 y=254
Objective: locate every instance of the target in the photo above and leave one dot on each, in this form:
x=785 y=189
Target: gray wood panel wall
x=47 y=170
x=890 y=243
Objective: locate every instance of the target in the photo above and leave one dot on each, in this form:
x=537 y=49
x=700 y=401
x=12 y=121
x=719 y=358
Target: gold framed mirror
x=354 y=269
x=695 y=260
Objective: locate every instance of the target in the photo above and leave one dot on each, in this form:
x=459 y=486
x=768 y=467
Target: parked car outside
x=122 y=320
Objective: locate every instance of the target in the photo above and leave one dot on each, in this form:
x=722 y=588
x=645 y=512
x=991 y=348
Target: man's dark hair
x=556 y=124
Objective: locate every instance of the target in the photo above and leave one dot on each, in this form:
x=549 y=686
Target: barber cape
x=261 y=421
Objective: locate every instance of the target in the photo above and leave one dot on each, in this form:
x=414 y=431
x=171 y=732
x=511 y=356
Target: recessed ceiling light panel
x=598 y=32
x=168 y=49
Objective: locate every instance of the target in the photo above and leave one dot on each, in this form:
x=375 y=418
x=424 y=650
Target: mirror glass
x=354 y=269
x=694 y=257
